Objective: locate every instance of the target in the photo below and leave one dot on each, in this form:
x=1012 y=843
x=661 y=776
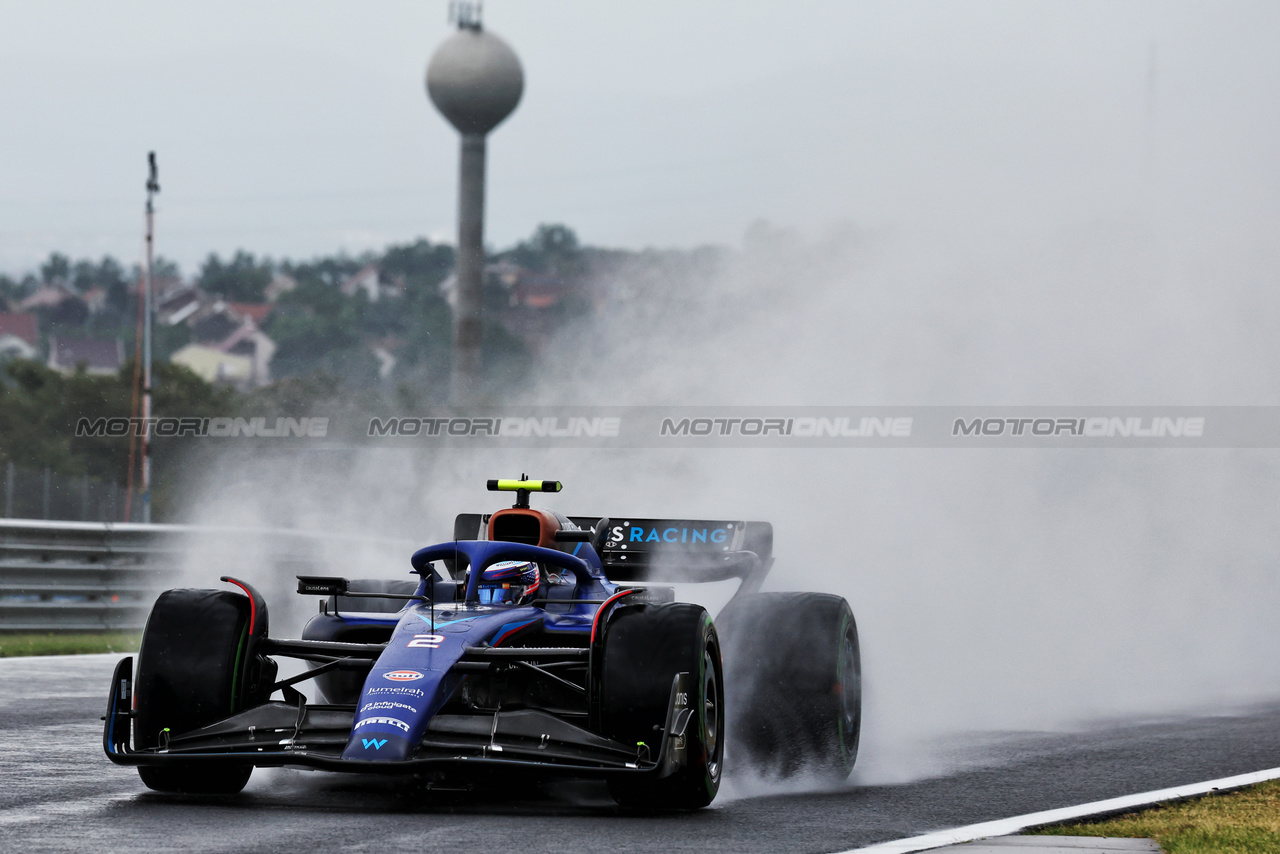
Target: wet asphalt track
x=59 y=793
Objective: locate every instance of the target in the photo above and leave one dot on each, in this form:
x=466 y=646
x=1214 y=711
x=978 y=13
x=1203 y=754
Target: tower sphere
x=474 y=79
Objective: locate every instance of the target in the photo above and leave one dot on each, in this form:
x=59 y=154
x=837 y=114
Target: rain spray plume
x=995 y=589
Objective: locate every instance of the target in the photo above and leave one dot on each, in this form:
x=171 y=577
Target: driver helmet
x=509 y=582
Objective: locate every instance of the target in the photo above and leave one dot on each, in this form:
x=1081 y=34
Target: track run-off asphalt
x=60 y=793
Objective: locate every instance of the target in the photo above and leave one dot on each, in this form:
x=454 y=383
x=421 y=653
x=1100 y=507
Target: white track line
x=1006 y=826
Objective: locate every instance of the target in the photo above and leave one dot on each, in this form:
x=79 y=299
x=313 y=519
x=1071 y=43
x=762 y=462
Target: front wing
x=277 y=734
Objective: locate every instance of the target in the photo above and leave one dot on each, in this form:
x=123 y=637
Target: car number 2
x=426 y=641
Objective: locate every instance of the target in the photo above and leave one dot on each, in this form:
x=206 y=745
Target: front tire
x=191 y=673
x=645 y=647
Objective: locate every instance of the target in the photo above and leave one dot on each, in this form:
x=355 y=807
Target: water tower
x=475 y=80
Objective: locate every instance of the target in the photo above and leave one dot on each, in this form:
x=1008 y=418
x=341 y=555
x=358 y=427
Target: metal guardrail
x=90 y=576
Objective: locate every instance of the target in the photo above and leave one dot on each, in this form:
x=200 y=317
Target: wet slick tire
x=795 y=680
x=190 y=671
x=645 y=646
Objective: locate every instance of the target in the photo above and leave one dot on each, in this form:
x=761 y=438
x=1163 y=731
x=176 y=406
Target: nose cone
x=475 y=80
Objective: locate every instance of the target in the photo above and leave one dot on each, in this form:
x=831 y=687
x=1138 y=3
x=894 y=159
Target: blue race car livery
x=533 y=643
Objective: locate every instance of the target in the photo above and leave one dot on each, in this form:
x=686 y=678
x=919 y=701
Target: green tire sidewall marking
x=844 y=627
x=235 y=669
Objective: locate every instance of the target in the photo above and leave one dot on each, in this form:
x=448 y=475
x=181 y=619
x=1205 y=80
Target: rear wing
x=667 y=550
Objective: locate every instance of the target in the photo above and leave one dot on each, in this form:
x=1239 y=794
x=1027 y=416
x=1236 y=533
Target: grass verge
x=1246 y=821
x=49 y=643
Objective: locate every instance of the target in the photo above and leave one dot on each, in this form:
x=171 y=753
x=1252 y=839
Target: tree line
x=323 y=362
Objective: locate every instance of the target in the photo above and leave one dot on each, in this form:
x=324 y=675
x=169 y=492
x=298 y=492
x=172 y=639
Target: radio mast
x=153 y=187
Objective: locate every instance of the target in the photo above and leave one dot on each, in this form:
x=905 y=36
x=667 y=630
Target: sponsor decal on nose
x=395 y=722
x=397 y=689
x=402 y=675
x=368 y=707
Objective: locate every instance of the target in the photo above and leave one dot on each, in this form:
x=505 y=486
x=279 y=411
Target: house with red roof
x=233 y=328
x=57 y=303
x=255 y=311
x=19 y=336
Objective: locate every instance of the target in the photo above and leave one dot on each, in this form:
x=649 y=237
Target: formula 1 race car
x=532 y=644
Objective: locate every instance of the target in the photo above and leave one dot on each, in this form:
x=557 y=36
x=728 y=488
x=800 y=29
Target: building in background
x=232 y=329
x=215 y=366
x=96 y=356
x=279 y=286
x=374 y=282
x=19 y=336
x=530 y=306
x=56 y=304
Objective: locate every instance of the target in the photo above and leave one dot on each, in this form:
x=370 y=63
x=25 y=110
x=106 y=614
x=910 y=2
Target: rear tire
x=794 y=672
x=644 y=648
x=191 y=669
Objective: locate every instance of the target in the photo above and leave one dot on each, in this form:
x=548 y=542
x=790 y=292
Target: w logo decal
x=375 y=743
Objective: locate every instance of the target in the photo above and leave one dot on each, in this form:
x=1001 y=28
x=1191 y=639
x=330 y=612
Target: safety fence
x=88 y=576
x=46 y=494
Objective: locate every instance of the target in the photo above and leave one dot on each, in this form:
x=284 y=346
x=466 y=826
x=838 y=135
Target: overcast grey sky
x=301 y=128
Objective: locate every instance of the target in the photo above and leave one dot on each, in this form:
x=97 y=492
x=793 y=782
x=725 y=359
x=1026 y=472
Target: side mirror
x=322 y=585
